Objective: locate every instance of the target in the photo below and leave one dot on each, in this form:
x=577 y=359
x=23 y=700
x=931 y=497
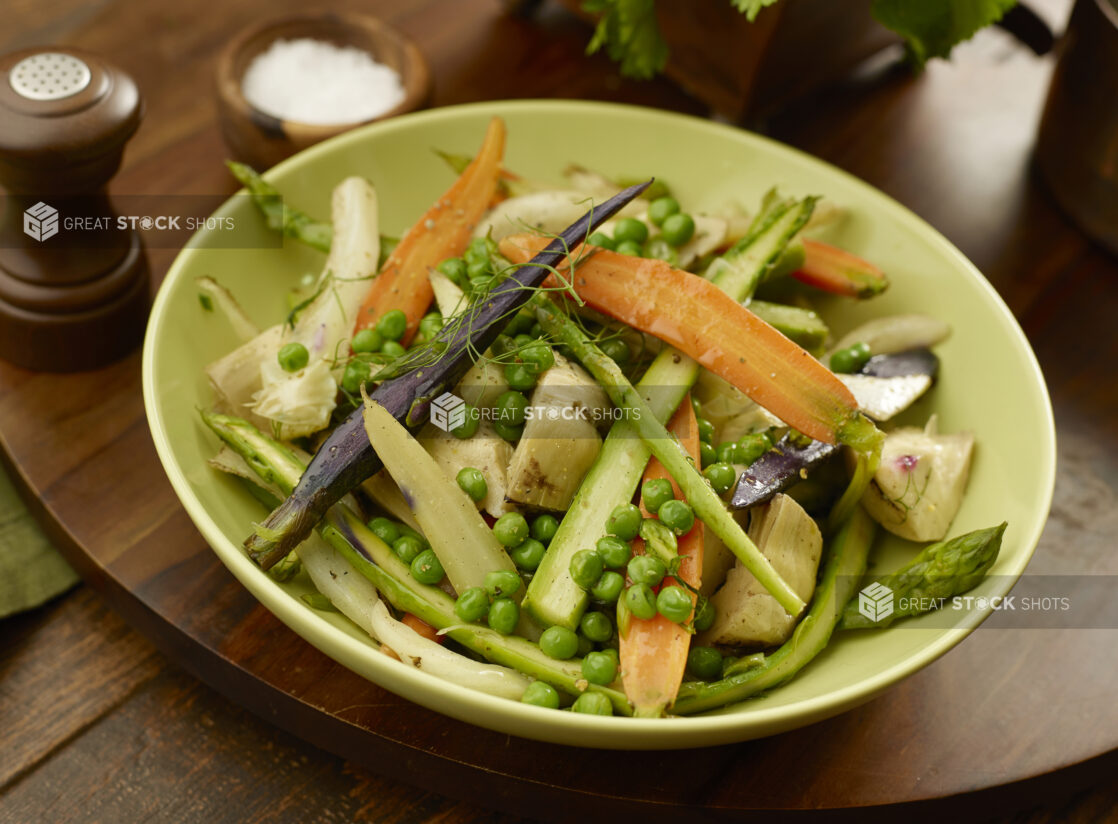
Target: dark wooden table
x=99 y=725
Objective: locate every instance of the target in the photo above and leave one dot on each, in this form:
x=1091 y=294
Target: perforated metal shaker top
x=49 y=76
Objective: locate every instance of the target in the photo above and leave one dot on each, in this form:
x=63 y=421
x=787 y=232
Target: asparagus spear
x=289 y=221
x=803 y=326
x=414 y=381
x=698 y=492
x=553 y=597
x=845 y=564
x=941 y=570
x=278 y=466
x=280 y=217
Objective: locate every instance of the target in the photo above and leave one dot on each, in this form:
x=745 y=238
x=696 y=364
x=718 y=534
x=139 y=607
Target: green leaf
x=751 y=8
x=630 y=34
x=932 y=27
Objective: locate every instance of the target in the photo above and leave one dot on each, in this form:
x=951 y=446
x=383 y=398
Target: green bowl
x=990 y=382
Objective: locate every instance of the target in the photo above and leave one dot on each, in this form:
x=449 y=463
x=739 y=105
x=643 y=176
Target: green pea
x=429 y=327
x=630 y=248
x=523 y=340
x=393 y=349
x=752 y=446
x=536 y=331
x=426 y=568
x=511 y=529
x=540 y=694
x=705 y=613
x=602 y=240
x=501 y=582
x=293 y=356
x=469 y=426
x=544 y=528
x=677 y=229
x=721 y=476
x=384 y=529
x=706 y=430
x=707 y=454
x=656 y=248
x=696 y=407
x=538 y=356
x=520 y=376
x=655 y=493
x=393 y=324
x=851 y=359
x=407 y=530
x=559 y=642
x=599 y=668
x=592 y=703
x=662 y=208
x=480 y=282
x=612 y=653
x=596 y=626
x=705 y=663
x=646 y=569
x=470 y=423
x=616 y=350
x=528 y=555
x=455 y=269
x=674 y=603
x=630 y=229
x=585 y=645
x=407 y=548
x=472 y=482
x=504 y=613
x=615 y=552
x=640 y=600
x=521 y=322
x=677 y=516
x=624 y=522
x=367 y=340
x=477 y=251
x=730 y=452
x=512 y=408
x=586 y=568
x=607 y=588
x=508 y=432
x=472 y=605
x=355 y=375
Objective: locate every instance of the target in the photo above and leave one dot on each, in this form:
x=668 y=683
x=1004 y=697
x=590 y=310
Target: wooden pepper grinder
x=71 y=297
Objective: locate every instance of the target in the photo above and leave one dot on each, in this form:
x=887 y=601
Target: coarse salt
x=312 y=81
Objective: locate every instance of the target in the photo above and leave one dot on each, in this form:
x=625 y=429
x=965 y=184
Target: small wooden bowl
x=263 y=140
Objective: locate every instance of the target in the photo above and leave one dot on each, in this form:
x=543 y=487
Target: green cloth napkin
x=31 y=570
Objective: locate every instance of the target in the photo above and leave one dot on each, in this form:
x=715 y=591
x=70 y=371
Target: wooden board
x=1007 y=717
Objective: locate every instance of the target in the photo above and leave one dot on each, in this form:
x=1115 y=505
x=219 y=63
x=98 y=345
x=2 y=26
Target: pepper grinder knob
x=68 y=300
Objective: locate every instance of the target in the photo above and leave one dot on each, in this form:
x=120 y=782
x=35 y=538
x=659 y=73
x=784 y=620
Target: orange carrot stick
x=838 y=271
x=422 y=627
x=443 y=232
x=699 y=319
x=654 y=651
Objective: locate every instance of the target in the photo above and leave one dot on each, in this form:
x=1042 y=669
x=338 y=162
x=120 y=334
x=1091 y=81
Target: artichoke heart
x=560 y=440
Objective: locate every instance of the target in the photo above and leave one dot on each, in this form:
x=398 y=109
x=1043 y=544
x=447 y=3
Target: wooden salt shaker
x=69 y=300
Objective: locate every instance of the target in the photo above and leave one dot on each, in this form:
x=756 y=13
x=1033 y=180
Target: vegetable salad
x=583 y=447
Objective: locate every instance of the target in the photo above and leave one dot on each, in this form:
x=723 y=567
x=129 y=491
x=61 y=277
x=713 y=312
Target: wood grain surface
x=98 y=725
